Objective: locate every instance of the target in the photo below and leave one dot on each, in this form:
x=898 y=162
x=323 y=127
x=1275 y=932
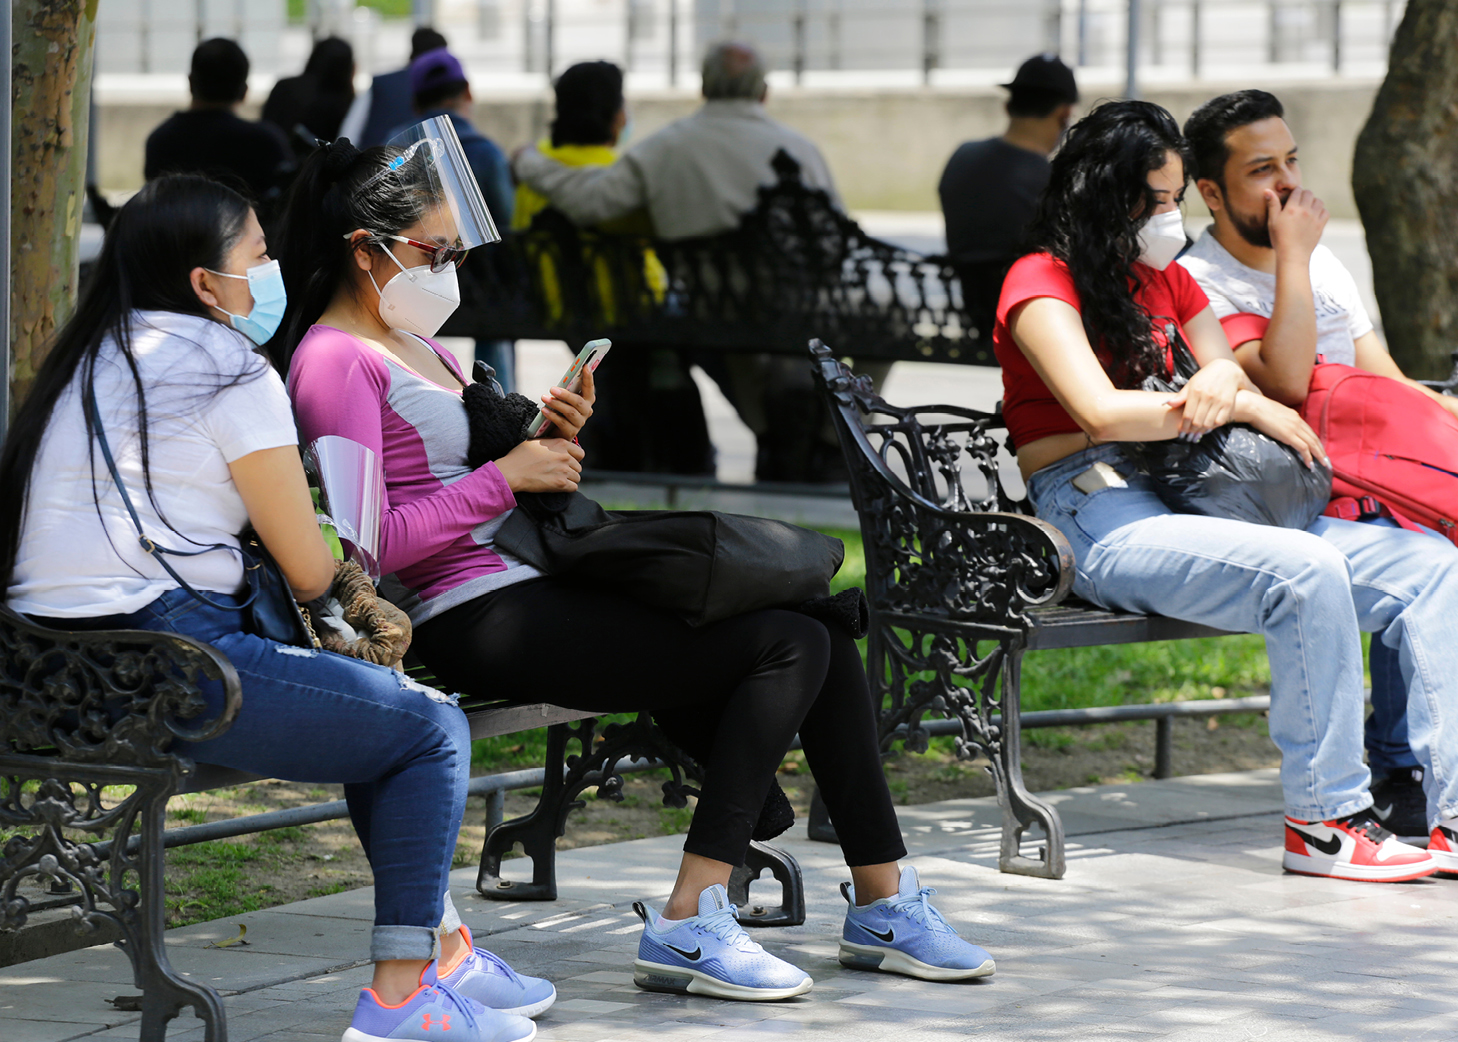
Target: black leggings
x=757 y=679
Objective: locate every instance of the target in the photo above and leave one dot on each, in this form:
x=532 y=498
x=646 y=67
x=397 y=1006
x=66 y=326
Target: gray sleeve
x=587 y=194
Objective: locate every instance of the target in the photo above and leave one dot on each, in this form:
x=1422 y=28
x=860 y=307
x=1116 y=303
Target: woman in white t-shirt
x=203 y=438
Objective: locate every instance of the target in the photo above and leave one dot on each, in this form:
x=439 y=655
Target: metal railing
x=495 y=786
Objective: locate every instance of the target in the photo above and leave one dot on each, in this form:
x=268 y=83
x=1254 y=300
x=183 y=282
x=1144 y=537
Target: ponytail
x=337 y=191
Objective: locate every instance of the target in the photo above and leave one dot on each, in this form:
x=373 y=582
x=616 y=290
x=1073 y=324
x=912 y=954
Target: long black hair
x=338 y=190
x=1097 y=198
x=173 y=225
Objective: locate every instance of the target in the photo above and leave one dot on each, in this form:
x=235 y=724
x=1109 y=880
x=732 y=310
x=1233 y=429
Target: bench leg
x=786 y=870
x=537 y=831
x=1020 y=808
x=121 y=889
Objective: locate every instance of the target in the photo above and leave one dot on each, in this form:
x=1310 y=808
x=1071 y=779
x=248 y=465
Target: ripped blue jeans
x=402 y=750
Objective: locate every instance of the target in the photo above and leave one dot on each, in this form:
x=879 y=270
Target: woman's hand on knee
x=542 y=465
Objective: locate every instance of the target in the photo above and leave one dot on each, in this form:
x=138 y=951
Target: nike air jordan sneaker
x=710 y=954
x=905 y=934
x=1443 y=845
x=1355 y=847
x=487 y=979
x=433 y=1011
x=1399 y=804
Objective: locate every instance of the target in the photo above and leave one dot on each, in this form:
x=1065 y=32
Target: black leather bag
x=269 y=610
x=1234 y=472
x=702 y=565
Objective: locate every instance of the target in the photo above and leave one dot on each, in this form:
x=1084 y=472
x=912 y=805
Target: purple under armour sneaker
x=434 y=1011
x=487 y=979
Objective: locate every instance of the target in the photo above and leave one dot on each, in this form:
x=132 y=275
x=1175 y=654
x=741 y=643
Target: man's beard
x=1254 y=230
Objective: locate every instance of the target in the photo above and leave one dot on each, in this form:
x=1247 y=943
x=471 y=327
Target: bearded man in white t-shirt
x=1285 y=300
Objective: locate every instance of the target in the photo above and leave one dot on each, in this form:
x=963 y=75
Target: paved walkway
x=1174 y=922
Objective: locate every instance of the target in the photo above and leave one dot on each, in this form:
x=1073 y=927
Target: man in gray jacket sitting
x=699 y=176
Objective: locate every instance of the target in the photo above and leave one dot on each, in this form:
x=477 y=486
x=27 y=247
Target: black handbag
x=1234 y=472
x=702 y=565
x=269 y=610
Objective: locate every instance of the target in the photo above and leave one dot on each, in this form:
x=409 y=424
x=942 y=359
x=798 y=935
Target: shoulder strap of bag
x=144 y=540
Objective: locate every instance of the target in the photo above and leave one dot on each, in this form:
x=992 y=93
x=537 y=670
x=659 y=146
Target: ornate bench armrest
x=931 y=546
x=107 y=696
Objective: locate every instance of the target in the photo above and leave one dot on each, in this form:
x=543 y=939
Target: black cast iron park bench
x=81 y=712
x=795 y=268
x=962 y=582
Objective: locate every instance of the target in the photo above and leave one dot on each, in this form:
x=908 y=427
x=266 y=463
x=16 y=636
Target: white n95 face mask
x=418 y=300
x=1161 y=238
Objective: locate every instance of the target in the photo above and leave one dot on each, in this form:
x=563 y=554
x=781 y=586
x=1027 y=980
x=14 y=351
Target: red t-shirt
x=1028 y=406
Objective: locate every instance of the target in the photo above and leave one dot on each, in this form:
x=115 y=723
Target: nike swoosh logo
x=888 y=936
x=1326 y=846
x=693 y=955
x=1383 y=812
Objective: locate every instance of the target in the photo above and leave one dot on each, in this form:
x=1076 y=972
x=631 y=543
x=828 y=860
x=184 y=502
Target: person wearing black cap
x=990 y=188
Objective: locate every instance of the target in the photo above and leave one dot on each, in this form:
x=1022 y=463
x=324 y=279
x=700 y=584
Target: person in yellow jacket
x=591 y=118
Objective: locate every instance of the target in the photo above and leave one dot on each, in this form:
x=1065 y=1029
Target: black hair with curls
x=174 y=224
x=1097 y=198
x=339 y=189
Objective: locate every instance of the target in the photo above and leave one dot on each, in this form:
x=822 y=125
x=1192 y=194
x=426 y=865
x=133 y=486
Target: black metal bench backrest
x=796 y=267
x=107 y=697
x=942 y=537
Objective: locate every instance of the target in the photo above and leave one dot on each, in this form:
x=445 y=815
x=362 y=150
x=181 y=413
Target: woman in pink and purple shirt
x=356 y=345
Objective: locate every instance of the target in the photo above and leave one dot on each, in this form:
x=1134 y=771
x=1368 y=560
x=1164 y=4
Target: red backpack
x=1393 y=449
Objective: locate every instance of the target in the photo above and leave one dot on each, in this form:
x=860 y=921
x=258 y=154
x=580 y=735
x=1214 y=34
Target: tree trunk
x=50 y=103
x=1405 y=179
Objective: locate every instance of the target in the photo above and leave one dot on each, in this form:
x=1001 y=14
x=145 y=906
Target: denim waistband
x=1069 y=467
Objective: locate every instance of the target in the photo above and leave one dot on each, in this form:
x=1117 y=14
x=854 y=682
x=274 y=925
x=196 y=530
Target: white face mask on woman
x=418 y=300
x=1161 y=238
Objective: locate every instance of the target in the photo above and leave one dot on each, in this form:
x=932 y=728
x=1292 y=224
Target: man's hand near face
x=1295 y=227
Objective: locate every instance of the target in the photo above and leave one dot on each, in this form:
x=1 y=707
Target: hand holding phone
x=587 y=360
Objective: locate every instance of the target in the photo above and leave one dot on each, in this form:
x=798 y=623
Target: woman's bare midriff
x=1036 y=455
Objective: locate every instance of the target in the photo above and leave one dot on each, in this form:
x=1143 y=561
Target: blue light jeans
x=402 y=750
x=1310 y=594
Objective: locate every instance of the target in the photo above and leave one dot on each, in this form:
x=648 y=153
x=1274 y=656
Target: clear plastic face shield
x=432 y=162
x=352 y=496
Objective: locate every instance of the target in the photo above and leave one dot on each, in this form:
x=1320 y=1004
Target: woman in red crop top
x=1080 y=324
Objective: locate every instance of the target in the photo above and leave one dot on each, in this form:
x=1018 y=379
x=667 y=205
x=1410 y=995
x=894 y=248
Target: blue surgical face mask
x=265 y=282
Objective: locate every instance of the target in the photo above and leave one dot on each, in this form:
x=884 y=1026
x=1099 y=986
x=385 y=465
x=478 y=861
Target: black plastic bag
x=1234 y=472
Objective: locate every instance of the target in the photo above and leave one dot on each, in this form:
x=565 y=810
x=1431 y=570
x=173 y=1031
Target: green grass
x=387 y=8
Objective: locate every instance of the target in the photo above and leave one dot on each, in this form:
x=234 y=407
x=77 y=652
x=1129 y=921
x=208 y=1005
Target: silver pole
x=1131 y=57
x=5 y=228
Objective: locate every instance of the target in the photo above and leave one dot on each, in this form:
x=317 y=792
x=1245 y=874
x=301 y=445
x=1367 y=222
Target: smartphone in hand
x=589 y=358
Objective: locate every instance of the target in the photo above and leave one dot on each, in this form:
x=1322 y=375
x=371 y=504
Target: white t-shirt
x=73 y=563
x=1235 y=289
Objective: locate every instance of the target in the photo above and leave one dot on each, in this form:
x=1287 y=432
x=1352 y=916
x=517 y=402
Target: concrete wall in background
x=886 y=147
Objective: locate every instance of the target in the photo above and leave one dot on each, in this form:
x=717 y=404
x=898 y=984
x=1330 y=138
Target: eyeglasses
x=440 y=256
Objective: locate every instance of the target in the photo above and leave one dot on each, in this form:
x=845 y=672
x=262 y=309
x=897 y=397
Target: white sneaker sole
x=1447 y=860
x=536 y=1009
x=893 y=960
x=1305 y=865
x=356 y=1035
x=655 y=976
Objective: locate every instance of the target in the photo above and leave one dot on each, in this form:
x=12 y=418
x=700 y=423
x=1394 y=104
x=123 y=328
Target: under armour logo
x=444 y=1025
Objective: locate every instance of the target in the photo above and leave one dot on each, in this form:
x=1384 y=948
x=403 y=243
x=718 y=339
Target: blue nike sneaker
x=487 y=979
x=905 y=934
x=711 y=954
x=433 y=1011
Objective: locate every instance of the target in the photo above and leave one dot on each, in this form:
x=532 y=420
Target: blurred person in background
x=438 y=87
x=388 y=101
x=318 y=99
x=651 y=387
x=209 y=137
x=990 y=188
x=699 y=176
